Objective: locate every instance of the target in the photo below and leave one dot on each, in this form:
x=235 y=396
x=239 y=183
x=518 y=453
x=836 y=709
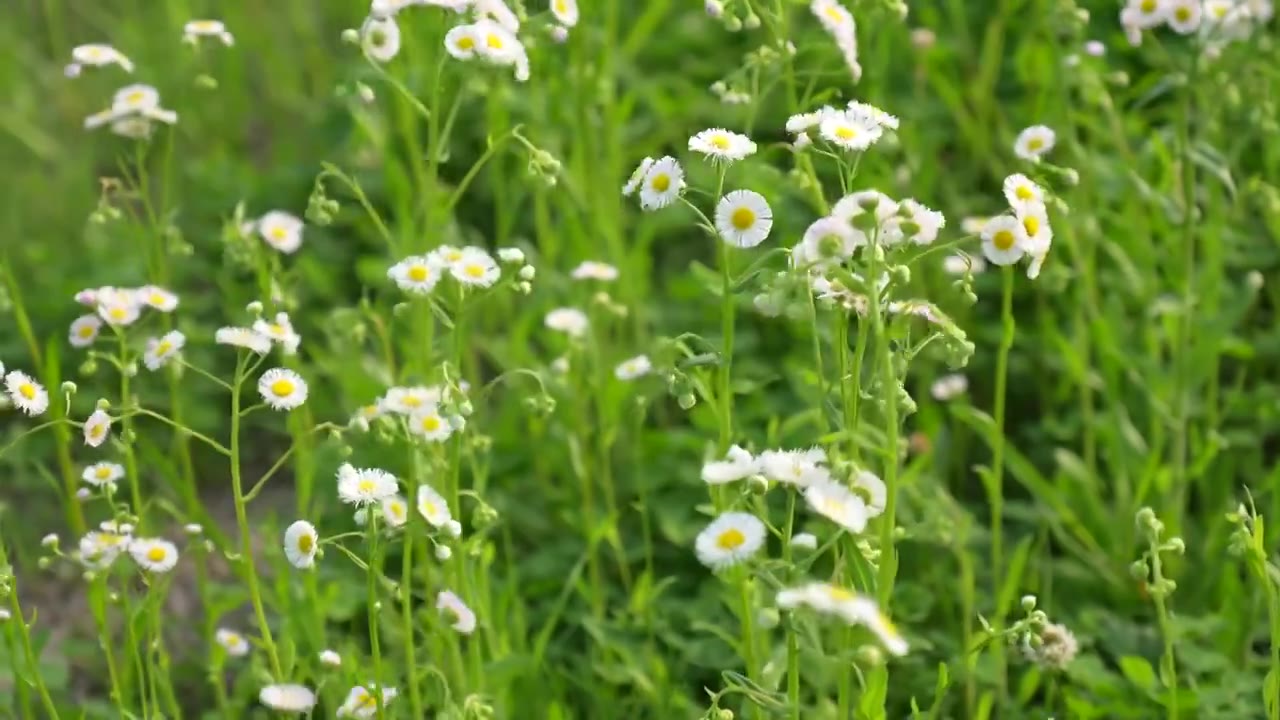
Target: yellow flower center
x=430 y=423
x=277 y=233
x=562 y=6
x=397 y=511
x=661 y=182
x=412 y=401
x=157 y=554
x=96 y=431
x=1149 y=6
x=419 y=273
x=163 y=347
x=158 y=299
x=93 y=53
x=720 y=142
x=466 y=42
x=27 y=390
x=846 y=132
x=1182 y=13
x=453 y=255
x=743 y=218
x=282 y=387
x=1023 y=192
x=366 y=486
x=731 y=539
x=1034 y=144
x=365 y=700
x=117 y=313
x=1003 y=239
x=306 y=543
x=85 y=331
x=840 y=594
x=1032 y=225
x=135 y=97
x=102 y=473
x=834 y=14
x=494 y=41
x=832 y=506
x=474 y=270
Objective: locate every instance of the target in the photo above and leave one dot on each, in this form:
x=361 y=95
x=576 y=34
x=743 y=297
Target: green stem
x=372 y=601
x=406 y=586
x=23 y=632
x=995 y=487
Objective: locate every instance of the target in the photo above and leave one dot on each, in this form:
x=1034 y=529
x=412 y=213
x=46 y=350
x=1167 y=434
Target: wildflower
x=362 y=704
x=738 y=464
x=132 y=102
x=637 y=176
x=153 y=554
x=282 y=389
x=96 y=428
x=566 y=12
x=288 y=698
x=388 y=8
x=1144 y=14
x=872 y=489
x=1034 y=142
x=1184 y=16
x=949 y=387
x=118 y=307
x=730 y=539
x=476 y=268
x=408 y=400
x=196 y=29
x=499 y=46
x=243 y=337
x=432 y=507
x=802 y=123
x=1055 y=648
x=1019 y=189
x=856 y=204
x=464 y=620
x=427 y=422
x=804 y=541
x=840 y=25
x=102 y=474
x=395 y=511
x=1095 y=48
x=743 y=218
x=801 y=468
x=84 y=330
x=461 y=41
x=279 y=330
x=571 y=321
x=443 y=552
x=636 y=367
x=232 y=642
x=662 y=184
x=330 y=658
x=854 y=609
x=1034 y=219
x=592 y=270
x=721 y=145
x=511 y=255
x=838 y=504
x=850 y=131
x=25 y=393
x=921 y=224
x=160 y=350
x=1004 y=240
x=281 y=230
x=193 y=528
x=99 y=549
x=301 y=542
x=497 y=11
x=96 y=55
x=365 y=486
x=380 y=38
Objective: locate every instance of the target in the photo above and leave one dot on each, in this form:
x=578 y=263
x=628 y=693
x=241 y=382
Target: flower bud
x=687 y=401
x=528 y=272
x=1028 y=603
x=443 y=552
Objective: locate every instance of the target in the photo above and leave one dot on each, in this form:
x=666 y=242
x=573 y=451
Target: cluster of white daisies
x=98 y=549
x=854 y=129
x=1217 y=21
x=470 y=266
x=433 y=413
x=1022 y=232
x=735 y=537
x=839 y=23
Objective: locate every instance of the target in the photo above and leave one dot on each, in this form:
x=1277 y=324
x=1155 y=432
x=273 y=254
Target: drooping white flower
x=565 y=11
x=288 y=697
x=722 y=145
x=840 y=25
x=873 y=491
x=282 y=389
x=102 y=474
x=920 y=225
x=281 y=230
x=232 y=642
x=362 y=704
x=96 y=428
x=406 y=400
x=26 y=394
x=637 y=176
x=1004 y=240
x=243 y=337
x=662 y=184
x=730 y=539
x=432 y=507
x=301 y=542
x=633 y=368
x=160 y=350
x=330 y=658
x=196 y=29
x=592 y=270
x=365 y=486
x=847 y=605
x=96 y=55
x=570 y=321
x=462 y=618
x=498 y=12
x=1033 y=142
x=743 y=218
x=800 y=468
x=84 y=330
x=154 y=554
x=949 y=387
x=1020 y=189
x=878 y=116
x=827 y=240
x=279 y=330
x=838 y=504
x=98 y=550
x=500 y=46
x=737 y=465
x=380 y=38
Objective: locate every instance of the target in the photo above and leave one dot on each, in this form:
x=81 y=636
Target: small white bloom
x=729 y=539
x=636 y=367
x=511 y=255
x=443 y=552
x=801 y=468
x=744 y=218
x=1004 y=240
x=281 y=230
x=500 y=46
x=462 y=41
x=450 y=605
x=279 y=330
x=949 y=387
x=1144 y=14
x=153 y=554
x=804 y=541
x=288 y=698
x=118 y=306
x=196 y=29
x=850 y=131
x=26 y=394
x=592 y=270
x=102 y=474
x=99 y=549
x=160 y=350
x=96 y=428
x=1019 y=189
x=1034 y=142
x=84 y=330
x=232 y=642
x=636 y=176
x=365 y=486
x=847 y=605
x=497 y=11
x=193 y=528
x=662 y=184
x=453 y=528
x=571 y=321
x=380 y=38
x=330 y=658
x=873 y=491
x=427 y=423
x=722 y=145
x=566 y=12
x=395 y=511
x=282 y=389
x=838 y=504
x=157 y=297
x=408 y=400
x=827 y=240
x=301 y=541
x=855 y=204
x=475 y=268
x=243 y=337
x=878 y=116
x=362 y=704
x=921 y=224
x=1184 y=16
x=432 y=507
x=96 y=55
x=737 y=465
x=1034 y=218
x=49 y=541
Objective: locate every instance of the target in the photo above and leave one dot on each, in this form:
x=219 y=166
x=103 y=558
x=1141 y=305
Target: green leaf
x=1139 y=672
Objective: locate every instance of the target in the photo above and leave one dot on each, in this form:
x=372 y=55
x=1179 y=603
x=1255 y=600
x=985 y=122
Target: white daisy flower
x=729 y=539
x=196 y=29
x=84 y=330
x=801 y=468
x=804 y=122
x=395 y=511
x=637 y=176
x=850 y=131
x=119 y=307
x=838 y=504
x=662 y=184
x=847 y=605
x=388 y=8
x=878 y=116
x=920 y=225
x=232 y=642
x=363 y=704
x=833 y=16
x=432 y=507
x=1034 y=142
x=743 y=218
x=330 y=658
x=511 y=255
x=281 y=230
x=828 y=240
x=137 y=99
x=570 y=321
x=462 y=41
x=96 y=428
x=1020 y=189
x=858 y=203
x=154 y=554
x=873 y=491
x=408 y=400
x=243 y=337
x=102 y=474
x=282 y=389
x=1184 y=16
x=1034 y=218
x=1004 y=240
x=1145 y=14
x=722 y=145
x=446 y=256
x=452 y=607
x=973 y=224
x=737 y=465
x=26 y=394
x=500 y=46
x=497 y=11
x=160 y=350
x=804 y=541
x=633 y=368
x=279 y=330
x=365 y=486
x=416 y=274
x=949 y=387
x=565 y=11
x=427 y=423
x=99 y=549
x=157 y=297
x=288 y=698
x=301 y=542
x=96 y=55
x=476 y=268
x=592 y=270
x=380 y=38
